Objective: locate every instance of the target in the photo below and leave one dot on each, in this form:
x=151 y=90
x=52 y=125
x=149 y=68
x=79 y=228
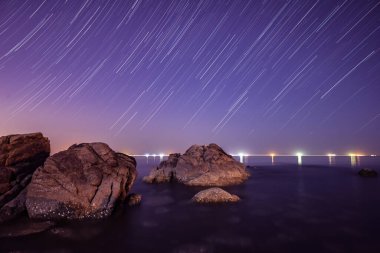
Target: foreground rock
x=200 y=166
x=86 y=181
x=214 y=195
x=20 y=155
x=367 y=173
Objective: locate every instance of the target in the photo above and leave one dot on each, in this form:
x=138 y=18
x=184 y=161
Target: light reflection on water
x=348 y=161
x=331 y=160
x=353 y=161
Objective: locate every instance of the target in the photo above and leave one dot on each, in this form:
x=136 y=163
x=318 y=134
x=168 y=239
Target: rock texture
x=200 y=166
x=214 y=195
x=20 y=155
x=86 y=181
x=367 y=173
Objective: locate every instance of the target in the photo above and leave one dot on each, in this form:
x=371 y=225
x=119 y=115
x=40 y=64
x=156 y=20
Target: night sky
x=158 y=76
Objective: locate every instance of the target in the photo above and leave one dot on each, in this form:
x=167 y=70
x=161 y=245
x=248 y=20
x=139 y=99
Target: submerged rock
x=25 y=228
x=200 y=166
x=20 y=155
x=367 y=173
x=76 y=233
x=214 y=195
x=134 y=199
x=85 y=181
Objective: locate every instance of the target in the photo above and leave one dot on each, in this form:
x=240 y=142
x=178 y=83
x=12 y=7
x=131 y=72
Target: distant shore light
x=330 y=154
x=241 y=156
x=355 y=154
x=299 y=158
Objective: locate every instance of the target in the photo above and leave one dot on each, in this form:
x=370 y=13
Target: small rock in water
x=367 y=173
x=214 y=195
x=134 y=199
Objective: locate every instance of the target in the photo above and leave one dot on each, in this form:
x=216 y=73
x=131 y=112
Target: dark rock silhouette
x=214 y=195
x=20 y=155
x=200 y=166
x=134 y=199
x=367 y=173
x=85 y=181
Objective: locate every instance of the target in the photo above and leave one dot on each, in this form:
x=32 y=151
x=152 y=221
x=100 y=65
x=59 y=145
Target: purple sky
x=158 y=76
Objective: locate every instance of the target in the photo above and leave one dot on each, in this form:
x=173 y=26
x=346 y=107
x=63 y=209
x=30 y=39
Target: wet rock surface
x=85 y=181
x=20 y=155
x=214 y=195
x=200 y=166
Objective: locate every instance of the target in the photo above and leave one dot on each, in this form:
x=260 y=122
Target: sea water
x=318 y=205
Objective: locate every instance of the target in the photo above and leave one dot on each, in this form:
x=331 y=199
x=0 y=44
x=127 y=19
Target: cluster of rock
x=85 y=181
x=206 y=165
x=90 y=179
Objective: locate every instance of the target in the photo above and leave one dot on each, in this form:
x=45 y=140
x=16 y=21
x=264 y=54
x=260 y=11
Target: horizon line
x=269 y=155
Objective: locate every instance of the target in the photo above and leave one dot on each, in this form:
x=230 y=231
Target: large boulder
x=214 y=195
x=20 y=155
x=85 y=181
x=200 y=166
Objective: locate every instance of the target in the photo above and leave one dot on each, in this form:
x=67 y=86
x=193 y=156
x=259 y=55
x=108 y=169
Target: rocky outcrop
x=20 y=155
x=214 y=195
x=200 y=166
x=85 y=181
x=367 y=173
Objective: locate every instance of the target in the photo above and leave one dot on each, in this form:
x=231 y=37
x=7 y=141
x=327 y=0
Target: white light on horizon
x=299 y=158
x=241 y=156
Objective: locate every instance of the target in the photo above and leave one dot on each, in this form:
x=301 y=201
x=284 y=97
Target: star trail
x=160 y=75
